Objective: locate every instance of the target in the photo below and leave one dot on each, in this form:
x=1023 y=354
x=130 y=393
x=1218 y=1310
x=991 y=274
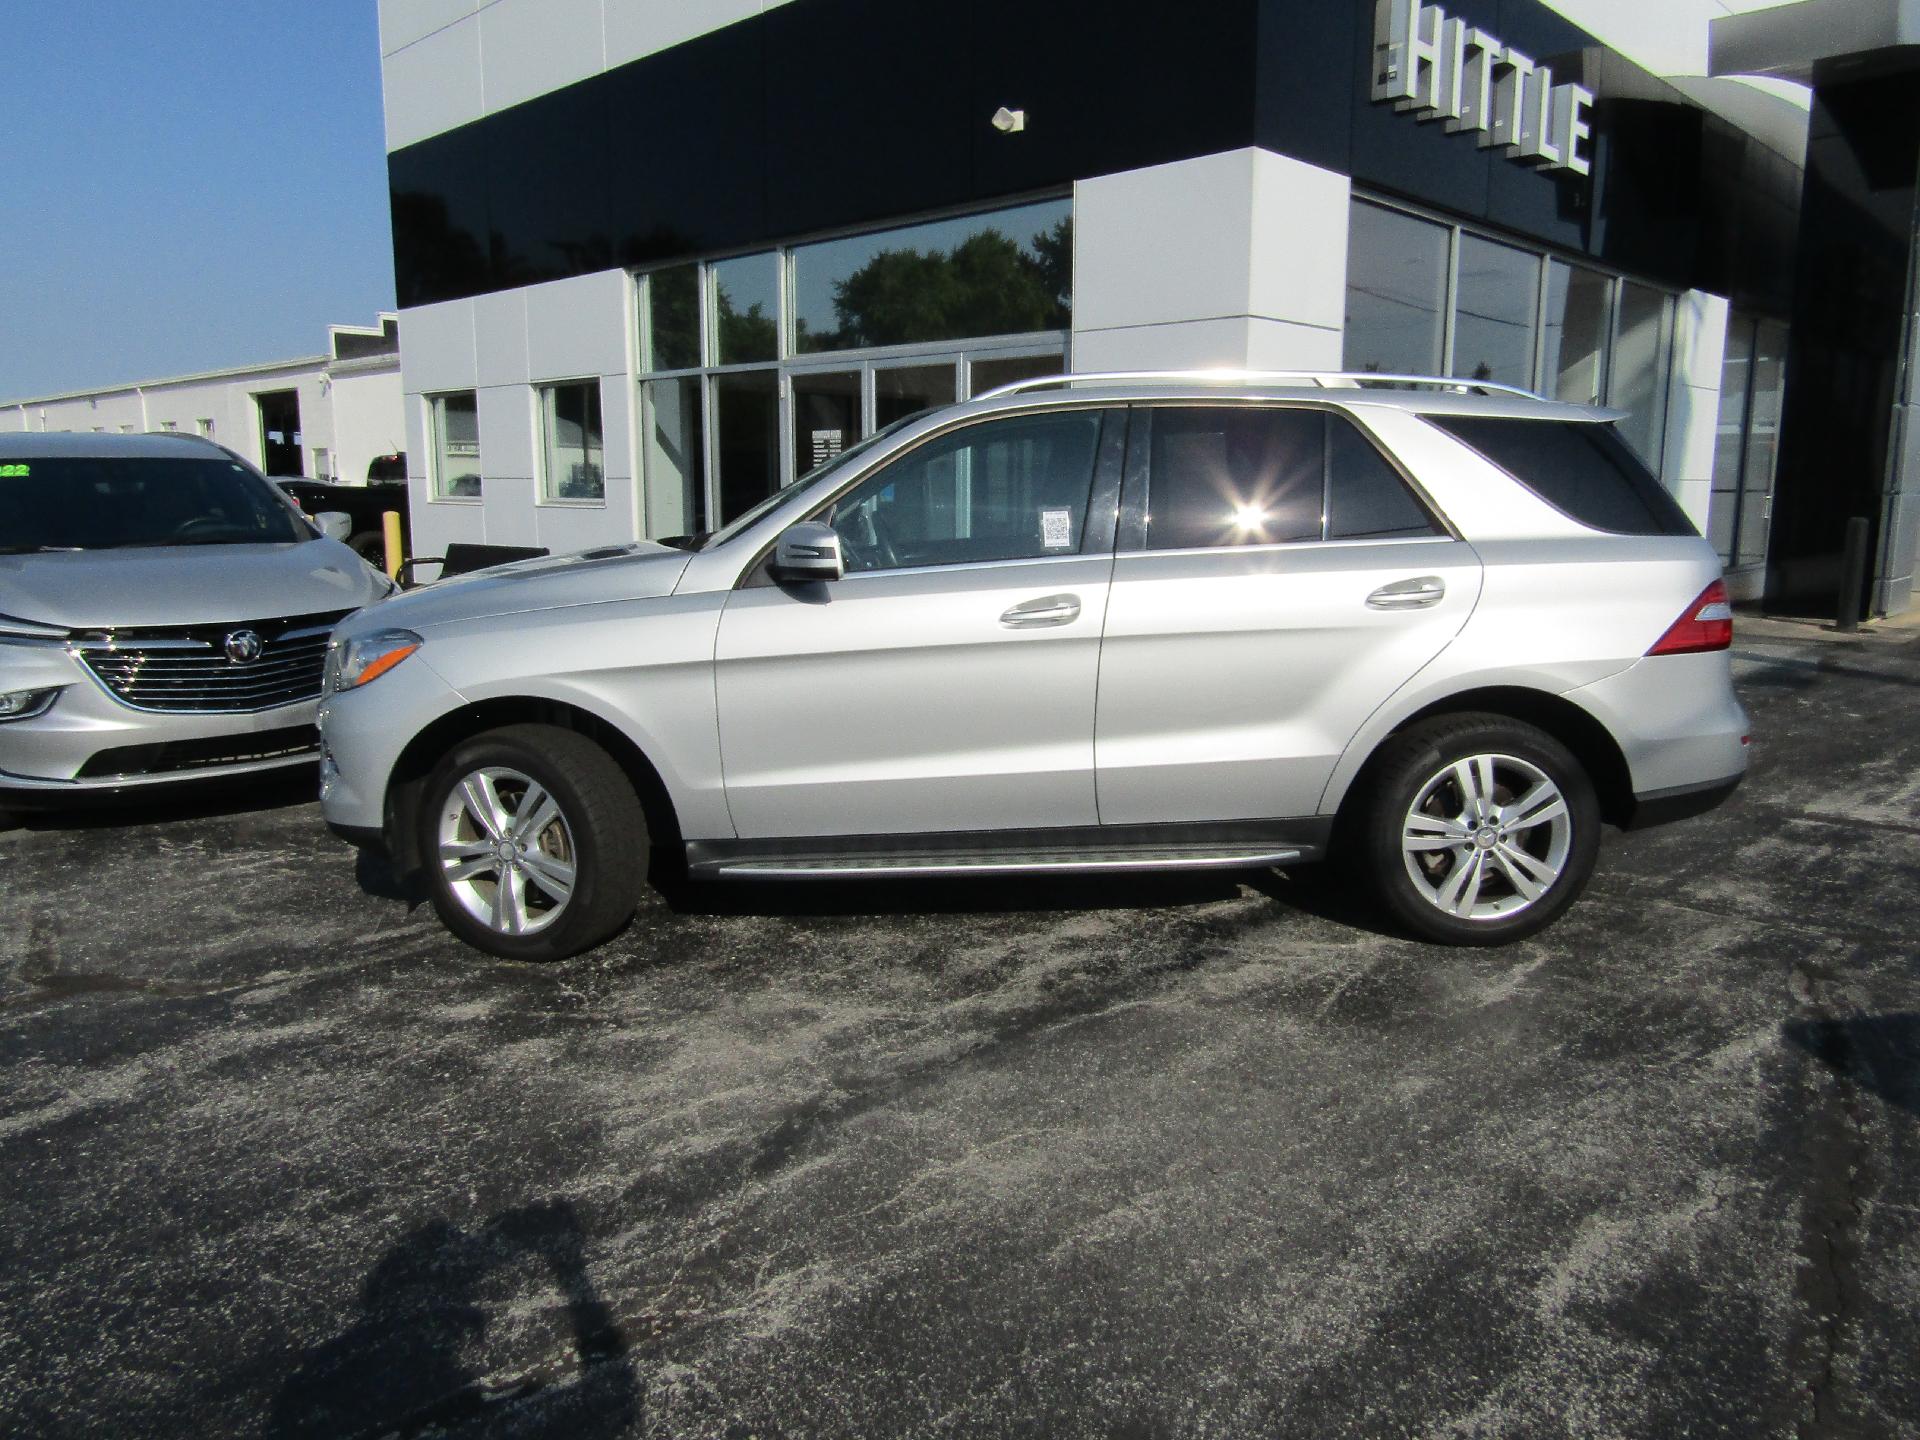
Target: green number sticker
x=15 y=472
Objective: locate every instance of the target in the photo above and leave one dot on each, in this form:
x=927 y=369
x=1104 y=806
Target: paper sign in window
x=1056 y=529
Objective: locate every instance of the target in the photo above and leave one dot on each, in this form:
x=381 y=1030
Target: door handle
x=1415 y=594
x=1047 y=610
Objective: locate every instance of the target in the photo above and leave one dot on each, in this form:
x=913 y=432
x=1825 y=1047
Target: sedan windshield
x=75 y=502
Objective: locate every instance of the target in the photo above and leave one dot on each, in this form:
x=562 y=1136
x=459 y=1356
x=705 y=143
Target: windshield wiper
x=39 y=549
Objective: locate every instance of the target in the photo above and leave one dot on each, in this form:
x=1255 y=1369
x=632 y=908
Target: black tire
x=370 y=546
x=1414 y=763
x=600 y=821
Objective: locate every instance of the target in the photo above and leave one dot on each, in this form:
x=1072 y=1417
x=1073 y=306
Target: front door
x=1277 y=581
x=946 y=683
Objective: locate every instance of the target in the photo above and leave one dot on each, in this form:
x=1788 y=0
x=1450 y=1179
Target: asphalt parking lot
x=1141 y=1157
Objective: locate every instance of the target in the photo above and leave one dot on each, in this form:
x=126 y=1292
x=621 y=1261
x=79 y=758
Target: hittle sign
x=1445 y=69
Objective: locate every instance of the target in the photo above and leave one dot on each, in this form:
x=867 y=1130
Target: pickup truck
x=363 y=504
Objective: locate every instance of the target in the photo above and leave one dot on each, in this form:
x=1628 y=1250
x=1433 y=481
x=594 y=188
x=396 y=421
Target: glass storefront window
x=903 y=390
x=1006 y=273
x=985 y=375
x=1396 y=292
x=826 y=415
x=455 y=422
x=573 y=450
x=1573 y=363
x=1640 y=369
x=1495 y=297
x=746 y=309
x=1763 y=441
x=746 y=424
x=672 y=457
x=673 y=313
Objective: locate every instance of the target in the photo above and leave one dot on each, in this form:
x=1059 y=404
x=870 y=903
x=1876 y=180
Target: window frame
x=1097 y=535
x=435 y=402
x=545 y=490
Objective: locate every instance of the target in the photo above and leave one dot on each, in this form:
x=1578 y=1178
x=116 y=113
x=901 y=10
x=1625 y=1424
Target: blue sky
x=189 y=184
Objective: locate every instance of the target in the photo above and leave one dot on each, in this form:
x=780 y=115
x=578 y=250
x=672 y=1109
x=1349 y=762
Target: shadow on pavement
x=200 y=800
x=1879 y=1053
x=404 y=1366
x=986 y=895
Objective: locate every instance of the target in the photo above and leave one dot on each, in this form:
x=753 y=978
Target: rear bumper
x=1682 y=802
x=1679 y=726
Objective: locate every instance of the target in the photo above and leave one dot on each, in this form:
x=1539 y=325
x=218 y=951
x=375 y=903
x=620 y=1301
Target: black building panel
x=687 y=147
x=1105 y=87
x=866 y=112
x=548 y=207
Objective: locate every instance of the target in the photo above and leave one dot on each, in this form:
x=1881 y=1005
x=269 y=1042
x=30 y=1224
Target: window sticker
x=1056 y=529
x=15 y=472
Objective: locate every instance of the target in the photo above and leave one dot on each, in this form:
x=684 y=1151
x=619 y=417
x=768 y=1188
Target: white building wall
x=1236 y=260
x=503 y=347
x=354 y=415
x=369 y=419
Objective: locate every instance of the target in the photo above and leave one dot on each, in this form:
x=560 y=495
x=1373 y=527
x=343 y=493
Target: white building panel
x=433 y=84
x=528 y=47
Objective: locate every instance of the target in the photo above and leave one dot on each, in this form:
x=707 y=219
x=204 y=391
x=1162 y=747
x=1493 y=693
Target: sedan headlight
x=365 y=658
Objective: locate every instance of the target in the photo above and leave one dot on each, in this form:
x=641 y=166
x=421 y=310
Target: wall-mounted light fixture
x=1009 y=122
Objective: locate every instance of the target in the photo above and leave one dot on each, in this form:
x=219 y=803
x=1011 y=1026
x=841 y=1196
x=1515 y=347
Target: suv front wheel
x=1478 y=829
x=534 y=841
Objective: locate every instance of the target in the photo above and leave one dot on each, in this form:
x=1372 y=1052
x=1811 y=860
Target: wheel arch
x=416 y=761
x=1592 y=744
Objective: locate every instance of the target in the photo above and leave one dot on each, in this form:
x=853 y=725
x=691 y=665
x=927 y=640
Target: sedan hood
x=184 y=584
x=615 y=572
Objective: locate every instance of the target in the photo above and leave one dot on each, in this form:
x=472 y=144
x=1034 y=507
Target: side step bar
x=1069 y=850
x=995 y=863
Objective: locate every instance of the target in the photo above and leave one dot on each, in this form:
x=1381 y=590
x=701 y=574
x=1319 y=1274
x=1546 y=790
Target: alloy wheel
x=506 y=850
x=1486 y=837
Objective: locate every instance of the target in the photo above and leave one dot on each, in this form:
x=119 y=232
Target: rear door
x=1278 y=578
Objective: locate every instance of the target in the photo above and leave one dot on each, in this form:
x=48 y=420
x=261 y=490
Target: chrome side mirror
x=334 y=524
x=808 y=551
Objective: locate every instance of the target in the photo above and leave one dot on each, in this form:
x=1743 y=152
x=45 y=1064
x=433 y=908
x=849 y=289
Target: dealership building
x=657 y=258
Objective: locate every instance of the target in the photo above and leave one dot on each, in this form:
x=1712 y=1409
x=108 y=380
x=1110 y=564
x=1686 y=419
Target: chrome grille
x=187 y=668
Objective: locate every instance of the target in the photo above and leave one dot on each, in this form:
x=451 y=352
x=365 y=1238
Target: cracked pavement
x=1148 y=1156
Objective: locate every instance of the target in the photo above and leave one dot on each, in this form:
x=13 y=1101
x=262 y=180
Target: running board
x=1093 y=850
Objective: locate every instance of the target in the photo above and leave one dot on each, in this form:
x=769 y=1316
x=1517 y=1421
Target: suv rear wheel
x=1478 y=829
x=534 y=840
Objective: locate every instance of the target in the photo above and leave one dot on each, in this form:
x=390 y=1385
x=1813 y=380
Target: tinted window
x=1234 y=476
x=1366 y=498
x=86 y=503
x=1005 y=490
x=1578 y=467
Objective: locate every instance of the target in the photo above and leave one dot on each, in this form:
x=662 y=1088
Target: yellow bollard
x=390 y=527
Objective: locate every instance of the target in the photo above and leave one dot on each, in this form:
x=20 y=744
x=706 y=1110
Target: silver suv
x=1097 y=623
x=164 y=614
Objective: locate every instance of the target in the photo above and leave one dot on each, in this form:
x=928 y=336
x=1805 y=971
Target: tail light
x=1706 y=624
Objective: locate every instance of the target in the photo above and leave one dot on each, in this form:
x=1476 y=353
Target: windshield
x=747 y=517
x=75 y=502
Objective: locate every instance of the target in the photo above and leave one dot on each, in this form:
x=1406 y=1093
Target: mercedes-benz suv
x=164 y=614
x=1097 y=623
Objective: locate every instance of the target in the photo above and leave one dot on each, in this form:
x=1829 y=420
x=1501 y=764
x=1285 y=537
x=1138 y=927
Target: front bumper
x=89 y=744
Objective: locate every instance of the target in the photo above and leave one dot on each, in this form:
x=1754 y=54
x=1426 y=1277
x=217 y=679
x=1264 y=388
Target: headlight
x=364 y=658
x=25 y=704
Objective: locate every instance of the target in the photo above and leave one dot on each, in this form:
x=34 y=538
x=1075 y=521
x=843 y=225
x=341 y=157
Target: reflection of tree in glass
x=748 y=334
x=675 y=300
x=988 y=284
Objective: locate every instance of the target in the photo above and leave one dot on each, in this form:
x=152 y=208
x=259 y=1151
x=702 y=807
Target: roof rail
x=1326 y=379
